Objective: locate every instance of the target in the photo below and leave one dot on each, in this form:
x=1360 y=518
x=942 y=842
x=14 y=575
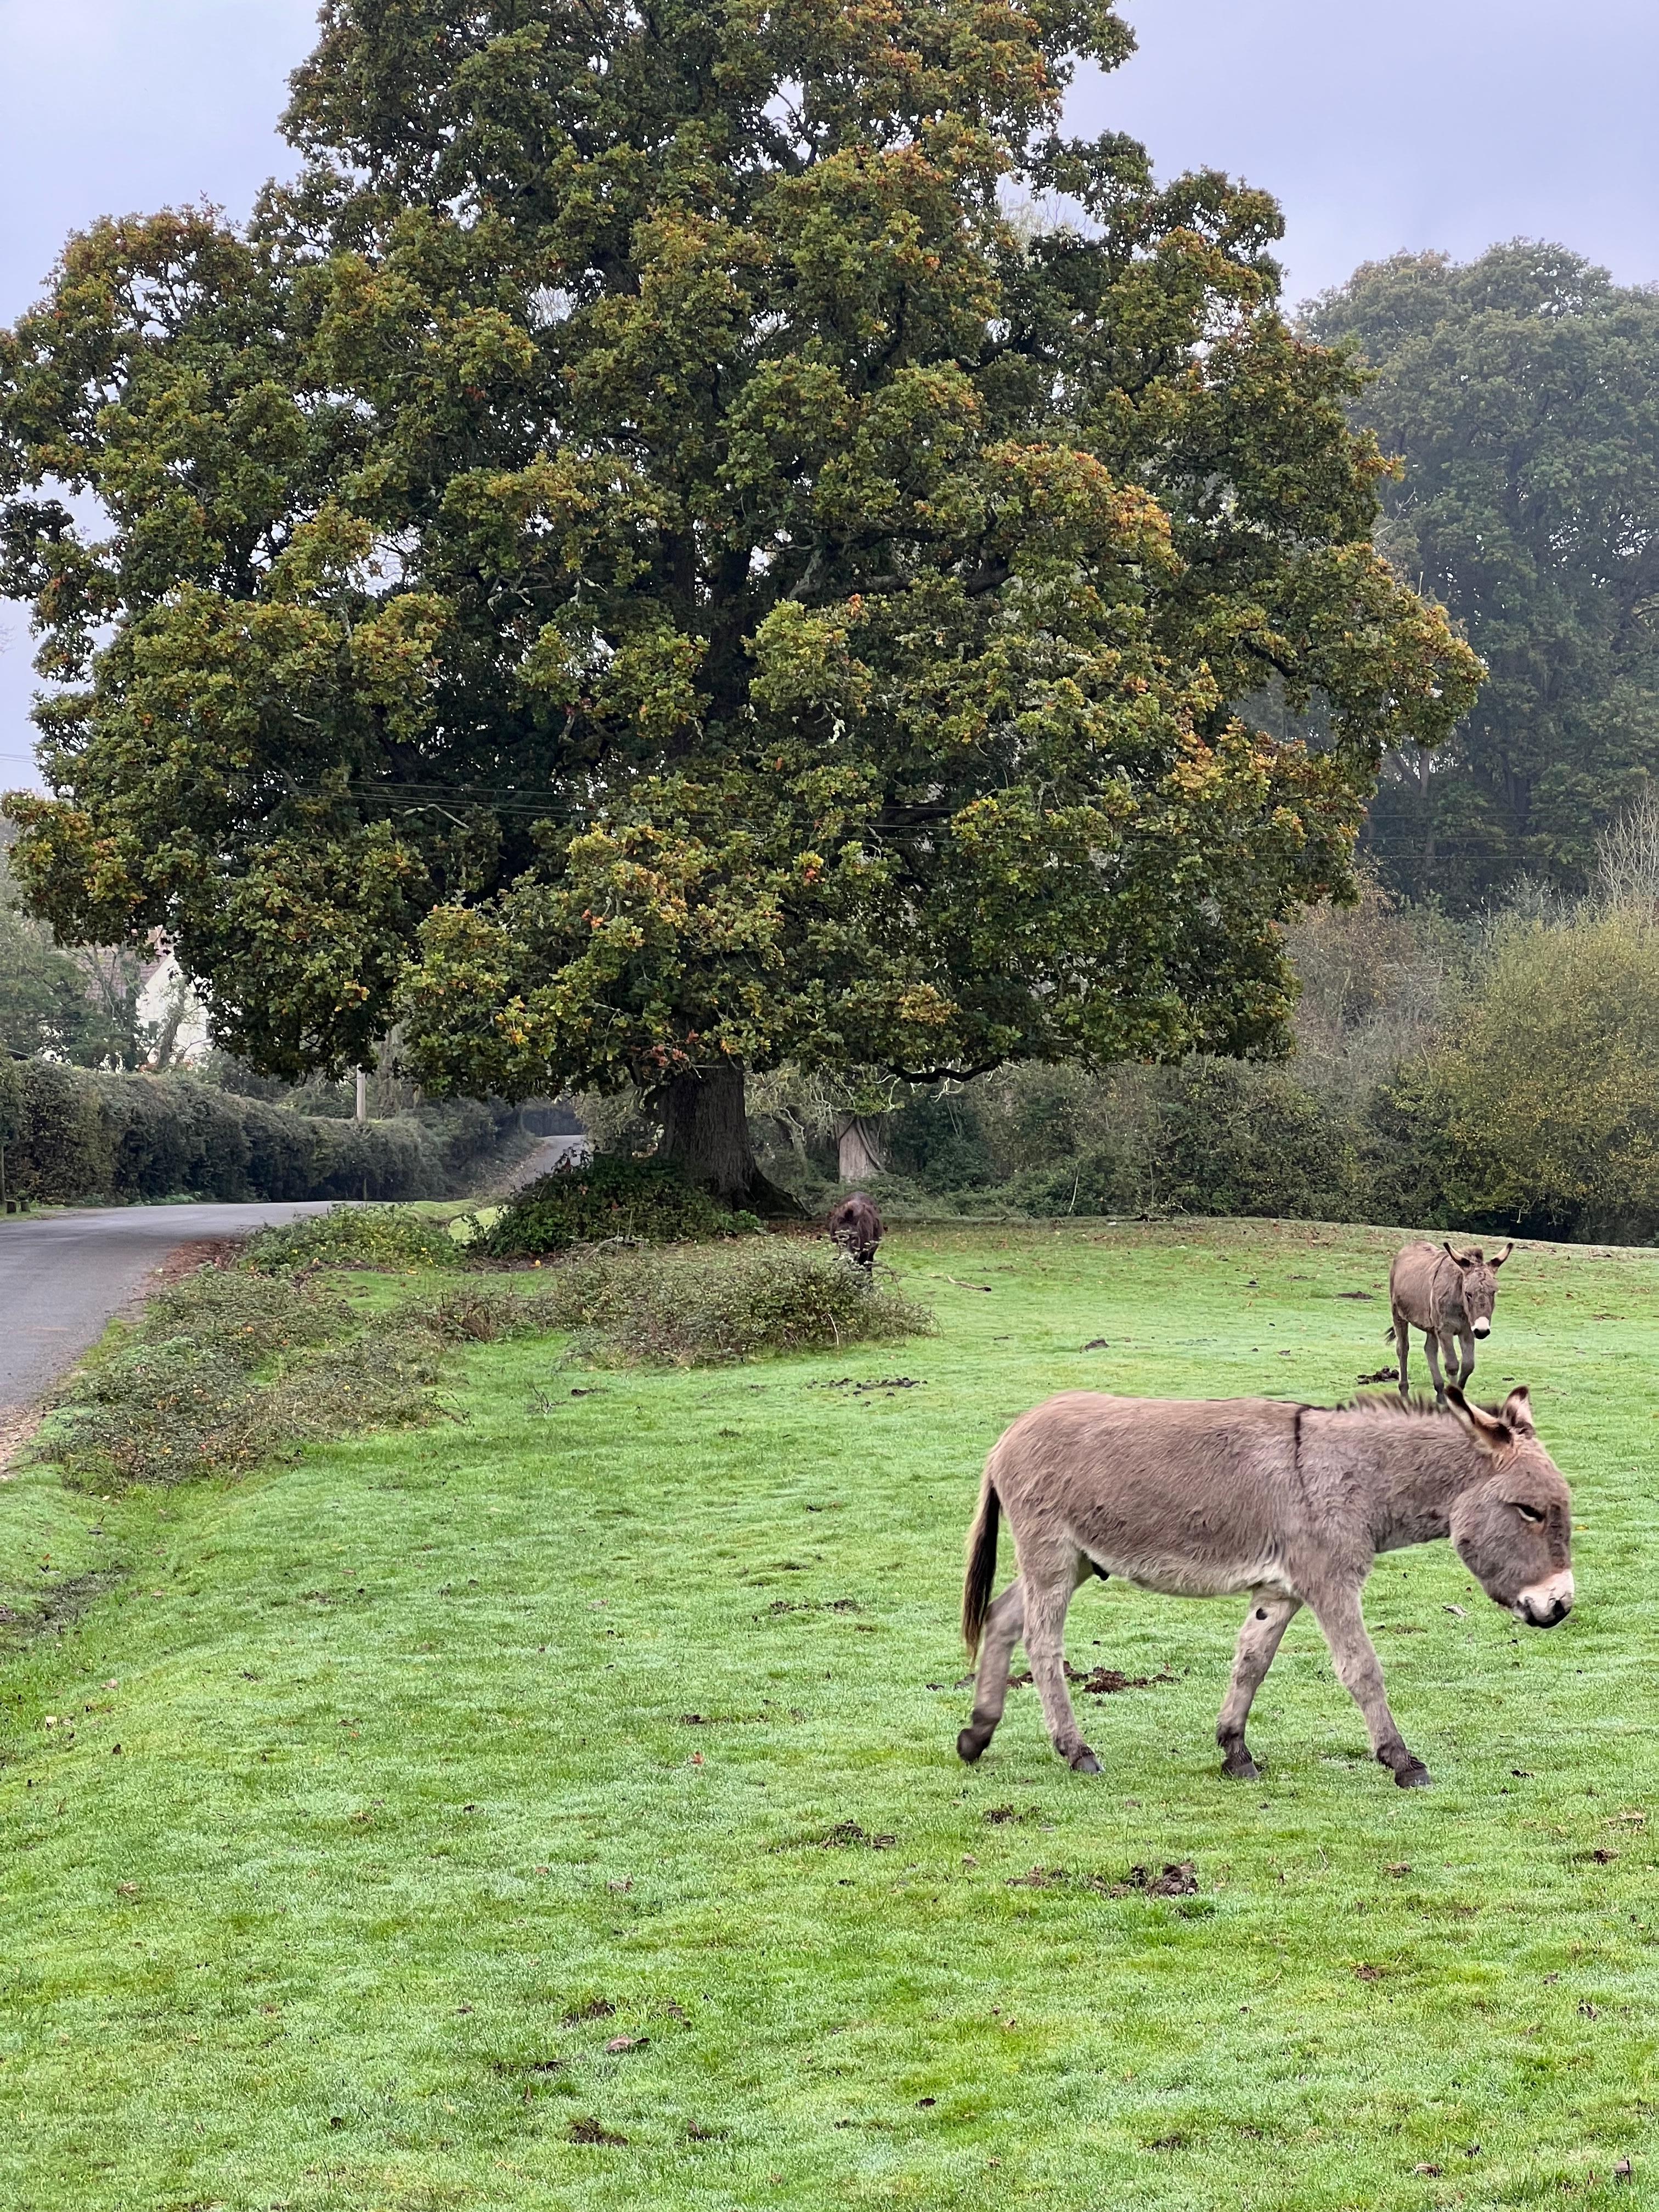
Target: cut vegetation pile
x=231 y=1368
x=355 y=1236
x=239 y=1364
x=698 y=1305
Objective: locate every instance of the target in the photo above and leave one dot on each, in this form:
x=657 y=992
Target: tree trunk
x=705 y=1131
x=859 y=1142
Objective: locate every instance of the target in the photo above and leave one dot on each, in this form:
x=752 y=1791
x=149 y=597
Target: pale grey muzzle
x=1545 y=1603
x=1482 y=1328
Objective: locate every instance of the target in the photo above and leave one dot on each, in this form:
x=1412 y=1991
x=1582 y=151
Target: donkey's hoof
x=1414 y=1776
x=1239 y=1766
x=970 y=1744
x=1084 y=1762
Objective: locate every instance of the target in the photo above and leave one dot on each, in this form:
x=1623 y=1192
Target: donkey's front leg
x=1465 y=1356
x=1432 y=1351
x=1047 y=1594
x=1360 y=1672
x=1004 y=1625
x=1269 y=1616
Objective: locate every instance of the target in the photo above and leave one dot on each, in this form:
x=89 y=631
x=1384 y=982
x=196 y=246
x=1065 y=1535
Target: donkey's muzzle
x=1481 y=1327
x=1546 y=1603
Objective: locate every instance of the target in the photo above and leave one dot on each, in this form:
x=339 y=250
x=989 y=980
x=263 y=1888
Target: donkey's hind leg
x=1402 y=1345
x=1269 y=1616
x=1360 y=1672
x=1047 y=1595
x=1003 y=1625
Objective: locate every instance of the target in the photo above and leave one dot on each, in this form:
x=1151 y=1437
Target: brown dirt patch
x=17 y=1426
x=190 y=1258
x=1097 y=1681
x=59 y=1609
x=592 y=2131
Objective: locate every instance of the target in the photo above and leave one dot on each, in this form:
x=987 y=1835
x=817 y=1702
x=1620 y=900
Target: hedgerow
x=76 y=1134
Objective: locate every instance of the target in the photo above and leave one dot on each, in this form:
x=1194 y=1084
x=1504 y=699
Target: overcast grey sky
x=1424 y=123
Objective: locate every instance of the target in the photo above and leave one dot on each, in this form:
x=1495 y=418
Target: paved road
x=63 y=1276
x=548 y=1155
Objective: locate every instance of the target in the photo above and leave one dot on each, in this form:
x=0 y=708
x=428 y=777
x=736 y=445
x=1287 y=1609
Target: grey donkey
x=1451 y=1296
x=1213 y=1497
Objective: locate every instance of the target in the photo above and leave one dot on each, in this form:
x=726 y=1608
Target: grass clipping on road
x=241 y=1364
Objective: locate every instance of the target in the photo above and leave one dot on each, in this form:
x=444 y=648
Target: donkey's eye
x=1528 y=1512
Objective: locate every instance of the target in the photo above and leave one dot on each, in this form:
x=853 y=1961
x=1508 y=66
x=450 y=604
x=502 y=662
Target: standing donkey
x=1210 y=1498
x=1449 y=1296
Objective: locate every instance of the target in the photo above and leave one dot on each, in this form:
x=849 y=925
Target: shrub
x=352 y=1236
x=1234 y=1138
x=584 y=1201
x=476 y=1312
x=936 y=1139
x=1548 y=1090
x=703 y=1306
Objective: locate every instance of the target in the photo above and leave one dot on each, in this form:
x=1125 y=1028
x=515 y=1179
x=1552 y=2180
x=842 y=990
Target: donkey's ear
x=1517 y=1411
x=1458 y=1259
x=1489 y=1430
x=1499 y=1258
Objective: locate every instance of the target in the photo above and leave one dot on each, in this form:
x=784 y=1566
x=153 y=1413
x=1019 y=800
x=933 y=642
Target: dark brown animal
x=855 y=1226
x=1449 y=1296
x=1210 y=1498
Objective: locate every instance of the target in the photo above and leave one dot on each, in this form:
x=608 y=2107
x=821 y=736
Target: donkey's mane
x=1390 y=1402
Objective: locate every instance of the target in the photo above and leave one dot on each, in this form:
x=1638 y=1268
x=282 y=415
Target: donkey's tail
x=978 y=1582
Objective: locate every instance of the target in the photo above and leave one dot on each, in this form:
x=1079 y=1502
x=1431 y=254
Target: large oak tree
x=639 y=565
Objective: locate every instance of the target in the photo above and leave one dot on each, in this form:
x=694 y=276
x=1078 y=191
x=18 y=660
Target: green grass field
x=583 y=1767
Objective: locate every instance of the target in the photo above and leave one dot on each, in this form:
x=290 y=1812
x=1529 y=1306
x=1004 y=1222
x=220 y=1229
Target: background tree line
x=1494 y=1074
x=1519 y=393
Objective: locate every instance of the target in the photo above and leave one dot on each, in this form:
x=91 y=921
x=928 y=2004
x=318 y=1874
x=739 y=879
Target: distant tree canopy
x=80 y=1007
x=1521 y=392
x=636 y=560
